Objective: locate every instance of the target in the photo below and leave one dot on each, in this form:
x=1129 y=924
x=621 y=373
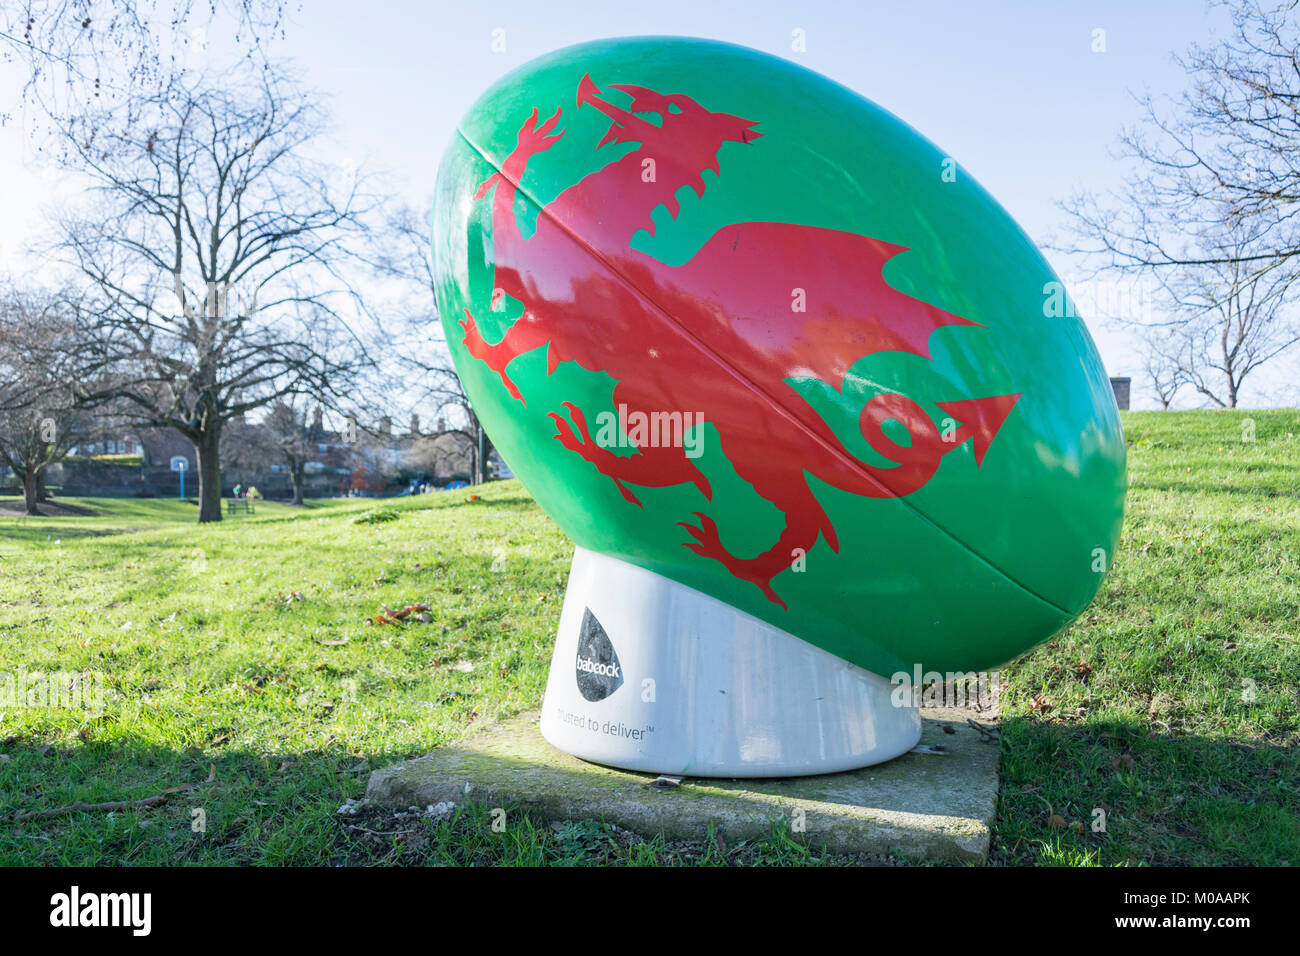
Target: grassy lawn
x=1171 y=704
x=237 y=661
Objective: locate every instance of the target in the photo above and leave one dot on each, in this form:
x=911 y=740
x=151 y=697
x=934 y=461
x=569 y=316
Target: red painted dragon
x=717 y=334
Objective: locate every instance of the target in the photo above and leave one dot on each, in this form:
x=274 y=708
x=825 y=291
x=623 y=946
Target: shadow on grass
x=231 y=806
x=34 y=532
x=1287 y=489
x=151 y=805
x=1164 y=799
x=47 y=509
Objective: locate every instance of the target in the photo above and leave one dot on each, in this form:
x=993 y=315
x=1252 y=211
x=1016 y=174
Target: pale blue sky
x=1012 y=90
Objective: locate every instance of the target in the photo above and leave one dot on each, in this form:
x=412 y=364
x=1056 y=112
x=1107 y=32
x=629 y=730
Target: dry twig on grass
x=81 y=805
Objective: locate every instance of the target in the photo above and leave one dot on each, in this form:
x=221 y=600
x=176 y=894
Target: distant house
x=126 y=445
x=332 y=453
x=156 y=447
x=114 y=462
x=499 y=467
x=163 y=444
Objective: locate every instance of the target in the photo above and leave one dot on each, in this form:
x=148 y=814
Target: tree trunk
x=482 y=453
x=296 y=470
x=30 y=492
x=41 y=493
x=206 y=445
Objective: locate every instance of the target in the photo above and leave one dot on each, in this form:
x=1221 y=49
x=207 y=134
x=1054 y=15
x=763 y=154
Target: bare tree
x=1222 y=152
x=422 y=351
x=442 y=455
x=1212 y=208
x=289 y=437
x=1235 y=319
x=218 y=249
x=1163 y=366
x=247 y=451
x=83 y=55
x=40 y=418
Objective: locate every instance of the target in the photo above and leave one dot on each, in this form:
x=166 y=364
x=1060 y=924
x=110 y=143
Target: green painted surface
x=975 y=567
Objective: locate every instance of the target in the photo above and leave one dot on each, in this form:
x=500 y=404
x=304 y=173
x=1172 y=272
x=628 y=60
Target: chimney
x=385 y=426
x=415 y=424
x=1120 y=386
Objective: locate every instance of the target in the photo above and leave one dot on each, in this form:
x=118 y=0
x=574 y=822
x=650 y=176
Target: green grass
x=237 y=660
x=1173 y=699
x=220 y=649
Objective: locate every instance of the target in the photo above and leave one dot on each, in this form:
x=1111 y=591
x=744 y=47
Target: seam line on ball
x=751 y=385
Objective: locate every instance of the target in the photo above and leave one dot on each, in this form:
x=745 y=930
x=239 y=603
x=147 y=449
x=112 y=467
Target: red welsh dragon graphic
x=717 y=334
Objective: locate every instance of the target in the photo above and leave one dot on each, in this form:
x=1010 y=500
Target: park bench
x=236 y=505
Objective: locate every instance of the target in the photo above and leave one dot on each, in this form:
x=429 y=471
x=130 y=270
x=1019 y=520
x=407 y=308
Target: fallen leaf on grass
x=464 y=667
x=1056 y=821
x=389 y=616
x=332 y=643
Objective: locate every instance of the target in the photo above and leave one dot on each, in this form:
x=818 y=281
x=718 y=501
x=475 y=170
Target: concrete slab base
x=935 y=805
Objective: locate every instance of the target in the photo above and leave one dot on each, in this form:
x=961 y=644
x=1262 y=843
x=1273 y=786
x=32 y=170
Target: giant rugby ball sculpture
x=812 y=407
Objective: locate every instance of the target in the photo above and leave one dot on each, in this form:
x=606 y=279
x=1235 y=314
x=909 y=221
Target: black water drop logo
x=597 y=668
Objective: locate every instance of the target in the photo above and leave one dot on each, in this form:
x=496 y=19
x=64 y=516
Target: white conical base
x=673 y=681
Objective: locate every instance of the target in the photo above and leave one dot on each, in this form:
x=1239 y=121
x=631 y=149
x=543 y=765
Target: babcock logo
x=597 y=668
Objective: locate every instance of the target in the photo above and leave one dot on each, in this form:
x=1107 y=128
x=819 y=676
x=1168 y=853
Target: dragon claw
x=550 y=123
x=563 y=433
x=584 y=446
x=535 y=139
x=580 y=420
x=708 y=542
